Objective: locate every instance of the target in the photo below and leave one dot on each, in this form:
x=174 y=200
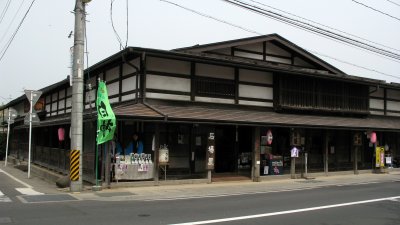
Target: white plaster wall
x=249 y=55
x=168 y=96
x=168 y=65
x=214 y=100
x=113 y=88
x=255 y=103
x=68 y=110
x=376 y=104
x=61 y=104
x=278 y=60
x=256 y=47
x=168 y=83
x=69 y=102
x=127 y=69
x=112 y=74
x=54 y=107
x=91 y=95
x=92 y=81
x=222 y=72
x=376 y=112
x=129 y=84
x=250 y=91
x=69 y=91
x=392 y=114
x=48 y=98
x=300 y=62
x=113 y=100
x=379 y=93
x=393 y=94
x=48 y=108
x=54 y=96
x=391 y=105
x=255 y=76
x=273 y=49
x=61 y=94
x=128 y=97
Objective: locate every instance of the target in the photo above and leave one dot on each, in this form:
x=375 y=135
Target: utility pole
x=77 y=89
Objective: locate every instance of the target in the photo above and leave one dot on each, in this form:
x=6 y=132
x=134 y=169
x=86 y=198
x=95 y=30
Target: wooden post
x=326 y=155
x=293 y=168
x=356 y=160
x=156 y=154
x=108 y=164
x=256 y=155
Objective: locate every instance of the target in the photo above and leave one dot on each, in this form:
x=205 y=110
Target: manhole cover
x=47 y=198
x=114 y=194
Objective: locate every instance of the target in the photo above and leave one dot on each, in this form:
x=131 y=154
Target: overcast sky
x=39 y=54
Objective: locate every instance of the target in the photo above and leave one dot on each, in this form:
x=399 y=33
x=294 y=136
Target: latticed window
x=215 y=87
x=315 y=94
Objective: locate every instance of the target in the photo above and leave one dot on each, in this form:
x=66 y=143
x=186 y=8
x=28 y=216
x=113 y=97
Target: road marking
x=4 y=198
x=289 y=211
x=16 y=179
x=28 y=191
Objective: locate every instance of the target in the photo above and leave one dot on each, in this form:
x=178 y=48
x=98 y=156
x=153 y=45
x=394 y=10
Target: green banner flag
x=106 y=121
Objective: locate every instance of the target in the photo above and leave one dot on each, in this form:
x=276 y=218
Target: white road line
x=289 y=211
x=16 y=179
x=4 y=198
x=28 y=191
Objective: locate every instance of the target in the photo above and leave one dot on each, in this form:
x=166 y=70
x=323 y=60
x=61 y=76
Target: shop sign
x=294 y=152
x=210 y=152
x=380 y=156
x=269 y=137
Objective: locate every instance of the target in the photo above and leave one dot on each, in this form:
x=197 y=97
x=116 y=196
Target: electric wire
x=376 y=10
x=211 y=17
x=112 y=24
x=12 y=21
x=4 y=50
x=312 y=28
x=332 y=28
x=393 y=2
x=3 y=13
x=258 y=33
x=127 y=24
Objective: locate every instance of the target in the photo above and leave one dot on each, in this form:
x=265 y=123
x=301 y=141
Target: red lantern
x=269 y=137
x=373 y=138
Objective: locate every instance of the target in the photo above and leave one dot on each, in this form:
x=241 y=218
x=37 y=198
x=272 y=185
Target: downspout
x=137 y=89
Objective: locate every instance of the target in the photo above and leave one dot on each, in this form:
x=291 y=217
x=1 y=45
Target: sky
x=39 y=55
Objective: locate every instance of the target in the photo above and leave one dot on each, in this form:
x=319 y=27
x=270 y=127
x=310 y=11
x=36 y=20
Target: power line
x=393 y=2
x=213 y=18
x=16 y=31
x=332 y=28
x=376 y=10
x=313 y=29
x=112 y=24
x=255 y=32
x=12 y=21
x=3 y=13
x=127 y=24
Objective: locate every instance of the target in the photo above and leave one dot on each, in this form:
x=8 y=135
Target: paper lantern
x=373 y=138
x=269 y=137
x=61 y=134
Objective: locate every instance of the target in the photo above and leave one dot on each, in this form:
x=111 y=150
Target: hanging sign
x=294 y=152
x=269 y=137
x=106 y=121
x=210 y=152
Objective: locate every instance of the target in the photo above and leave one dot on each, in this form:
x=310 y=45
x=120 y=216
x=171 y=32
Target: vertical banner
x=379 y=156
x=210 y=152
x=106 y=121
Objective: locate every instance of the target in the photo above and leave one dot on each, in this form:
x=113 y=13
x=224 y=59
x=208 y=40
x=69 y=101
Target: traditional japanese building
x=258 y=97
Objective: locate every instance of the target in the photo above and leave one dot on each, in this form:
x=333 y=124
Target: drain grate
x=46 y=198
x=114 y=194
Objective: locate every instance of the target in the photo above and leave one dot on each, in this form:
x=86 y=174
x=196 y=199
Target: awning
x=252 y=116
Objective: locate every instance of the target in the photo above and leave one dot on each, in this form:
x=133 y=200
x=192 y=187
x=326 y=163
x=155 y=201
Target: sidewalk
x=187 y=191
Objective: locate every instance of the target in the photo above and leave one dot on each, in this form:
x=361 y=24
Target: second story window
x=212 y=87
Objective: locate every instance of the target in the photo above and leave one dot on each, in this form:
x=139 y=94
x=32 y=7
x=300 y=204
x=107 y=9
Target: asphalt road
x=356 y=204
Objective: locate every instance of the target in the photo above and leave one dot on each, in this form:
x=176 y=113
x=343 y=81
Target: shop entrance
x=225 y=149
x=233 y=151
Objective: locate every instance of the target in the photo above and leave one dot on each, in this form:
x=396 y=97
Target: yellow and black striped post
x=74 y=165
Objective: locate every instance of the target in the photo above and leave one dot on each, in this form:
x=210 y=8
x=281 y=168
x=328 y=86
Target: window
x=212 y=87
